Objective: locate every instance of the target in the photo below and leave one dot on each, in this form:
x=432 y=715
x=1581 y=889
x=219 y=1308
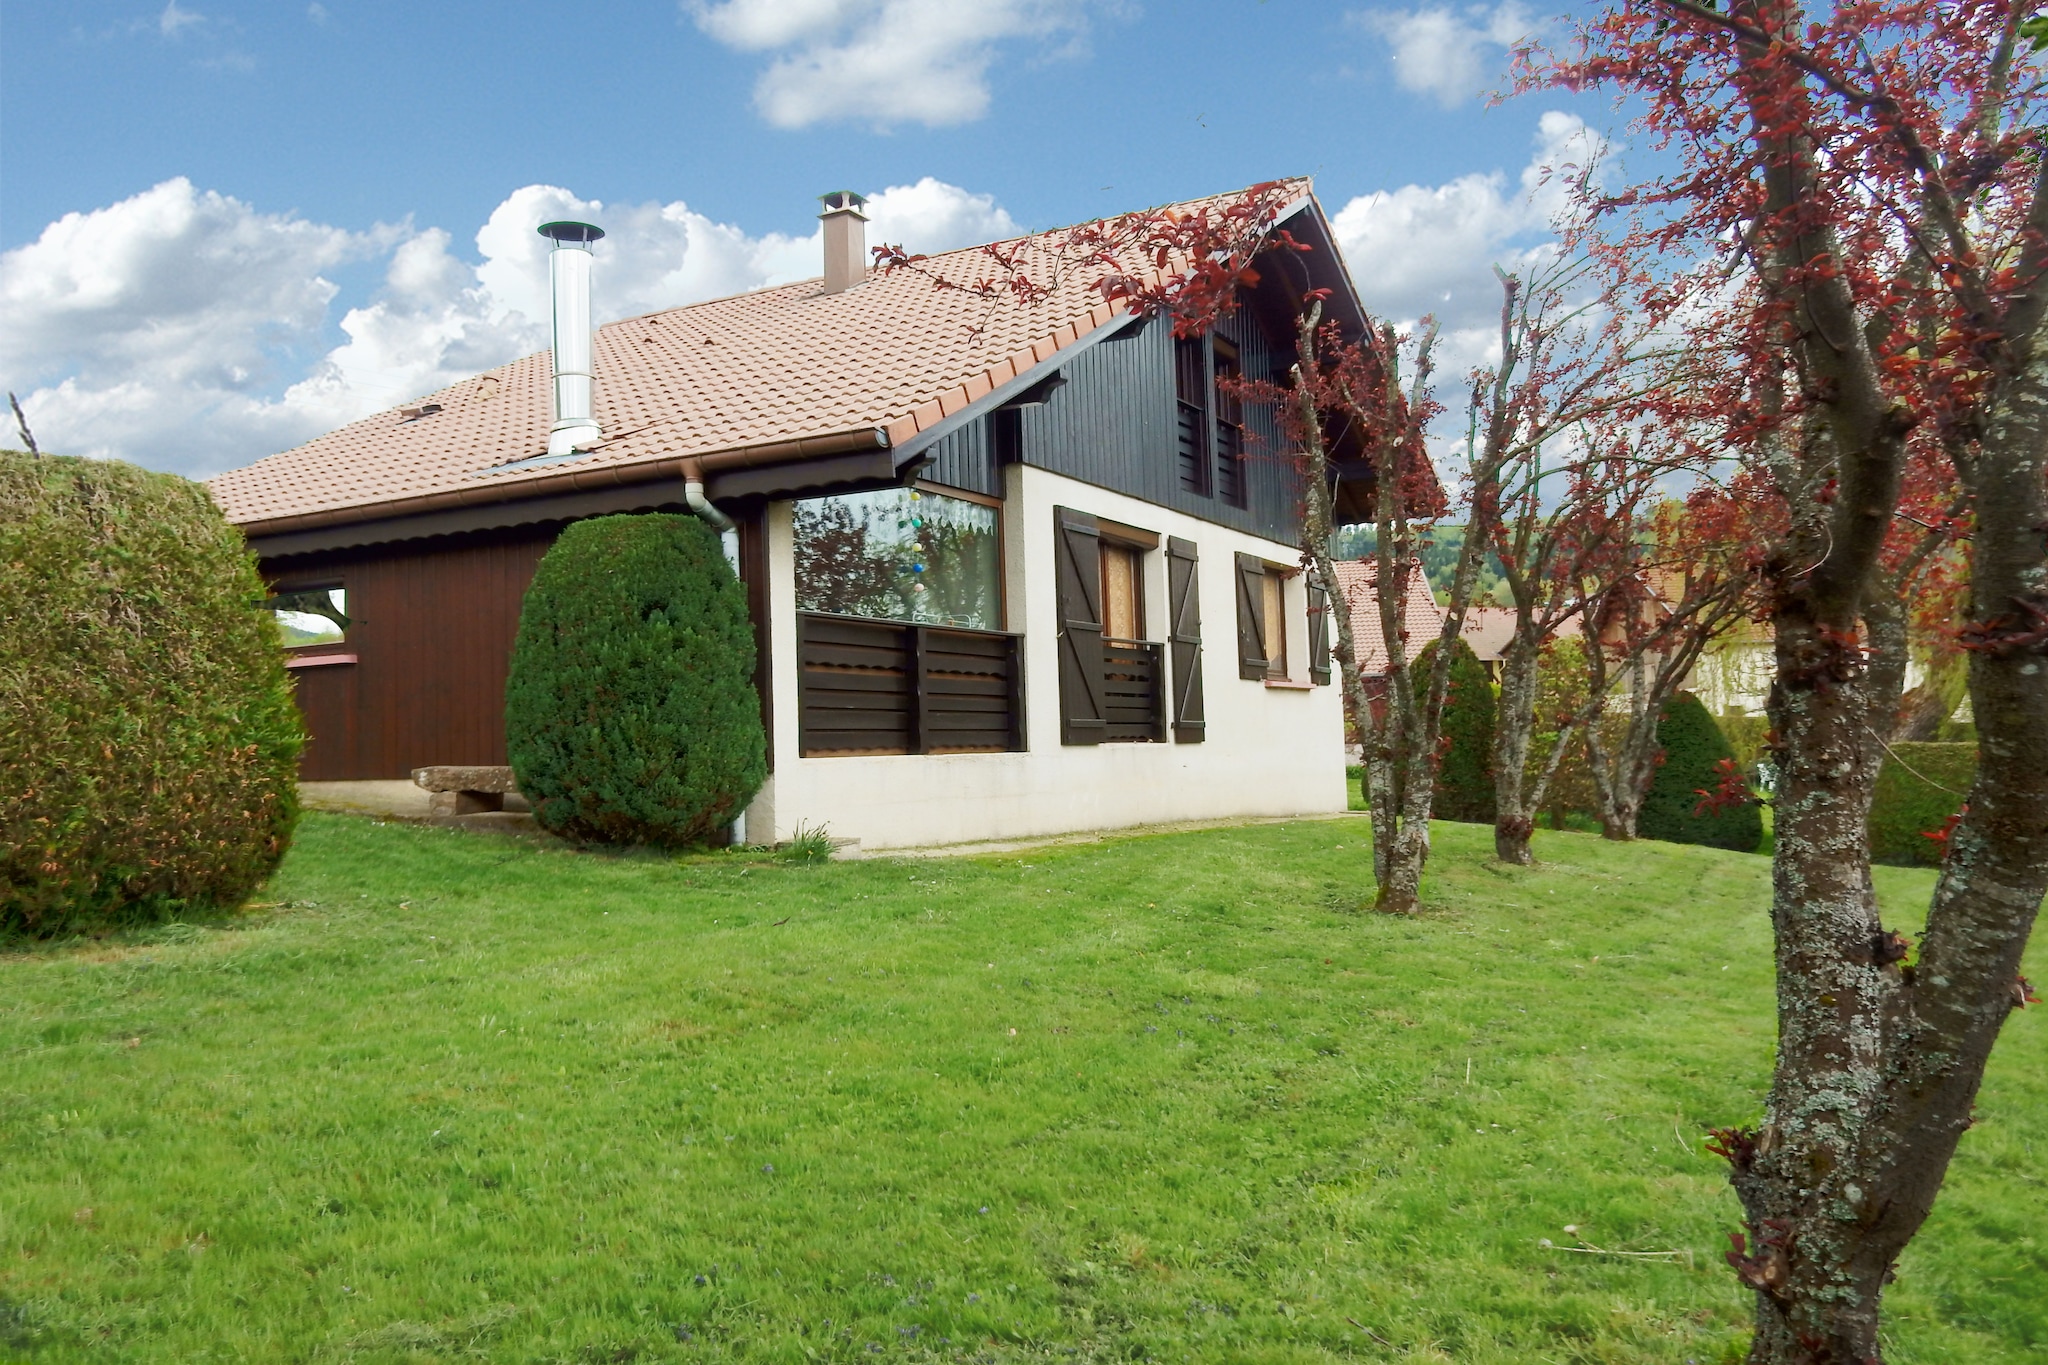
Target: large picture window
x=900 y=554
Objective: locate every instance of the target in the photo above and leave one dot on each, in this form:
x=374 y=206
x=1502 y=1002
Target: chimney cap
x=567 y=232
x=843 y=201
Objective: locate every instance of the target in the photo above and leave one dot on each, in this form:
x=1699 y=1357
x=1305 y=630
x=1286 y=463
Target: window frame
x=994 y=504
x=1273 y=606
x=324 y=584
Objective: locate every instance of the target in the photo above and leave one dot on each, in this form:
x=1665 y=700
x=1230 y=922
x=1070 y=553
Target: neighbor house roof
x=789 y=371
x=1357 y=584
x=1488 y=630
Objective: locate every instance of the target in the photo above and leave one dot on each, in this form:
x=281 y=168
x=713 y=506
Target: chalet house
x=1014 y=567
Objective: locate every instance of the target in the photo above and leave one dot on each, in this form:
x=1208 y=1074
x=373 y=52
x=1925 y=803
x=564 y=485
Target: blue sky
x=229 y=225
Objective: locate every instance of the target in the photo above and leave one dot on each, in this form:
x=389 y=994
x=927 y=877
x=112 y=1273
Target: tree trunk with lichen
x=1514 y=725
x=1624 y=763
x=1878 y=1061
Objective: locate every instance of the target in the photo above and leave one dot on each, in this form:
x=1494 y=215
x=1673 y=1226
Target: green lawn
x=460 y=1097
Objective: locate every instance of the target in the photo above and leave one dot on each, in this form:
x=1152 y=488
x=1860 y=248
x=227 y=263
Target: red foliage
x=1948 y=827
x=1730 y=791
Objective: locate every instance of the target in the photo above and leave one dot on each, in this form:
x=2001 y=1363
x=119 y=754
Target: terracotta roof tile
x=1357 y=581
x=775 y=365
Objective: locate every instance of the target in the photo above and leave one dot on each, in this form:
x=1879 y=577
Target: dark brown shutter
x=1251 y=617
x=1078 y=552
x=1318 y=635
x=1184 y=635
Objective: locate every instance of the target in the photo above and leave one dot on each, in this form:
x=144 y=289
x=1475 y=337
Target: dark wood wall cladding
x=1117 y=424
x=432 y=625
x=889 y=687
x=967 y=458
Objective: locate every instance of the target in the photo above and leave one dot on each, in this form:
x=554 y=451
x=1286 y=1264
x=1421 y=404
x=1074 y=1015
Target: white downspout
x=729 y=541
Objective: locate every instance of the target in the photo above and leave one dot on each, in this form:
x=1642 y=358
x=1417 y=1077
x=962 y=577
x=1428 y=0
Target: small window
x=900 y=554
x=1123 y=591
x=311 y=616
x=1275 y=613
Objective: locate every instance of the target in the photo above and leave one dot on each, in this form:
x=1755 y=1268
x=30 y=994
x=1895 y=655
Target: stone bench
x=456 y=789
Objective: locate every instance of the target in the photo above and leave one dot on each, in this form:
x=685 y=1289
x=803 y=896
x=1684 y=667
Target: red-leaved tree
x=1855 y=225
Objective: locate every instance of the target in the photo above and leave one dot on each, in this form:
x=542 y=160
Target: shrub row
x=1918 y=789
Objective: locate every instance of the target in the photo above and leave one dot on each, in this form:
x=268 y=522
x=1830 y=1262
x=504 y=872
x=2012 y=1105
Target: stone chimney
x=846 y=240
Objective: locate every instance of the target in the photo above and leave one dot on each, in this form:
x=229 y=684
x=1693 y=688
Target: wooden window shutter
x=1318 y=635
x=1078 y=553
x=1184 y=636
x=1251 y=617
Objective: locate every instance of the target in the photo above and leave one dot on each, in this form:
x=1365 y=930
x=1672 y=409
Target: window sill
x=317 y=660
x=1289 y=685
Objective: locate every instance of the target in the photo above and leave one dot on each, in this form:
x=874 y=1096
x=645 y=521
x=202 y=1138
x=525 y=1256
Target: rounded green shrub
x=1918 y=789
x=148 y=739
x=1694 y=749
x=1464 y=775
x=630 y=712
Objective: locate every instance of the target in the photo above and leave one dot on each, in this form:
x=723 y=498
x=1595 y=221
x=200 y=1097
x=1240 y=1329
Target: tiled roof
x=1488 y=630
x=1357 y=583
x=778 y=365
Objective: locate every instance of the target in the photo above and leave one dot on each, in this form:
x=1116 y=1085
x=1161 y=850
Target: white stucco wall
x=1268 y=750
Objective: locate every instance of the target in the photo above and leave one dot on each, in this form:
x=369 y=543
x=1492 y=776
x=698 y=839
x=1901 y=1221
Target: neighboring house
x=1733 y=675
x=1489 y=630
x=1014 y=567
x=1423 y=619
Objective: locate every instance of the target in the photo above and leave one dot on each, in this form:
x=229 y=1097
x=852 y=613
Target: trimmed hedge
x=630 y=713
x=1918 y=789
x=148 y=739
x=1464 y=777
x=1693 y=750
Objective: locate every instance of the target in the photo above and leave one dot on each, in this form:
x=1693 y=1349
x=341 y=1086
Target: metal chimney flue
x=846 y=240
x=575 y=425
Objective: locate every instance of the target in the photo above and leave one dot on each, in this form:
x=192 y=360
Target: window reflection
x=899 y=554
x=311 y=616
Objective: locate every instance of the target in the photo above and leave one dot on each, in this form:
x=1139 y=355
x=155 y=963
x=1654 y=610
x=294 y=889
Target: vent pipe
x=575 y=425
x=846 y=240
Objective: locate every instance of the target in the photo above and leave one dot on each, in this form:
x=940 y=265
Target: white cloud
x=185 y=330
x=1431 y=249
x=175 y=19
x=1449 y=54
x=881 y=62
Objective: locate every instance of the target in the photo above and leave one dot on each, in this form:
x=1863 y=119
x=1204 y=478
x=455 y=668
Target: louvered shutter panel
x=1078 y=553
x=1251 y=617
x=1184 y=637
x=1318 y=635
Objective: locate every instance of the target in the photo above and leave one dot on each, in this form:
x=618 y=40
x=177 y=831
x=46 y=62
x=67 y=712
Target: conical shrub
x=630 y=712
x=1464 y=776
x=1694 y=749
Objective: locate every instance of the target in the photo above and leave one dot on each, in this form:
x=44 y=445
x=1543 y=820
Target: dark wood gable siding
x=1115 y=424
x=966 y=459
